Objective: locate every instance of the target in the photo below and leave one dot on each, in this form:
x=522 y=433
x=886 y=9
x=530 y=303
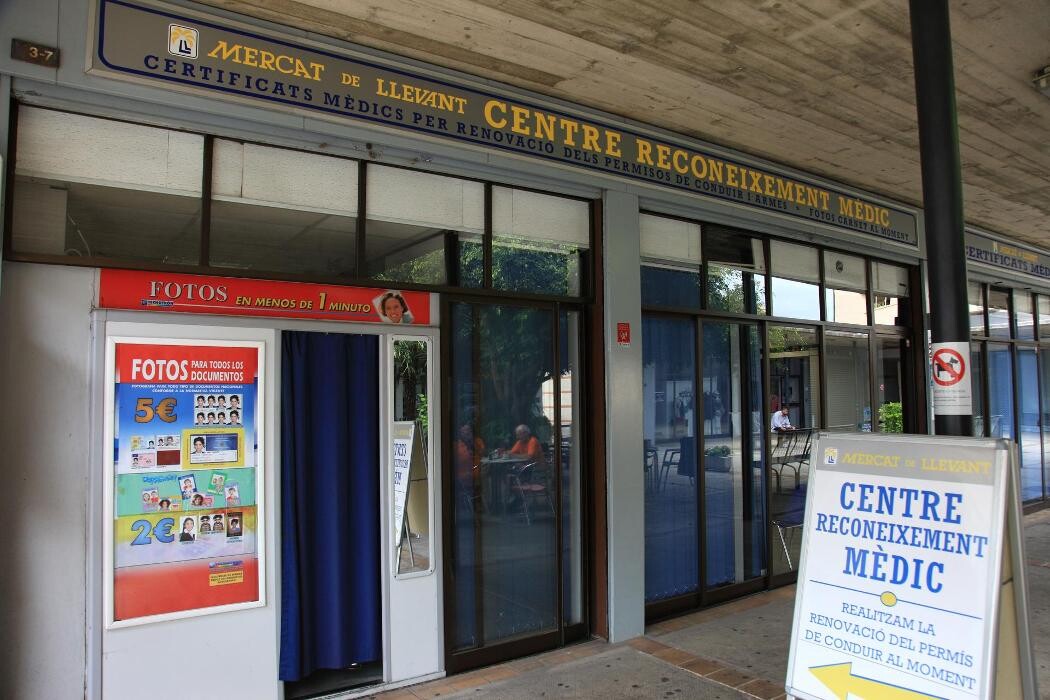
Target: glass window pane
x=848 y=385
x=980 y=416
x=505 y=542
x=1044 y=371
x=735 y=272
x=1044 y=317
x=413 y=218
x=889 y=384
x=1000 y=391
x=669 y=418
x=794 y=299
x=85 y=186
x=794 y=376
x=1024 y=315
x=1029 y=437
x=797 y=262
x=670 y=240
x=975 y=296
x=539 y=242
x=412 y=475
x=734 y=445
x=569 y=394
x=665 y=286
x=736 y=290
x=844 y=271
x=280 y=210
x=890 y=286
x=671 y=262
x=842 y=306
x=998 y=313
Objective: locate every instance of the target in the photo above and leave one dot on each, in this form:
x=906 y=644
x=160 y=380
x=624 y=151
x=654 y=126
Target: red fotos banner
x=231 y=296
x=185 y=364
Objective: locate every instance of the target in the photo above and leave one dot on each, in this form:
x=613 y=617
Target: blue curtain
x=330 y=568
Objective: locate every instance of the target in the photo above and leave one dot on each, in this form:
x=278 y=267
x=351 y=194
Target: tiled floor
x=734 y=651
x=486 y=683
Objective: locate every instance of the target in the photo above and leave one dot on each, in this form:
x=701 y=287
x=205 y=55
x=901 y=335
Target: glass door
x=705 y=445
x=733 y=455
x=793 y=415
x=513 y=505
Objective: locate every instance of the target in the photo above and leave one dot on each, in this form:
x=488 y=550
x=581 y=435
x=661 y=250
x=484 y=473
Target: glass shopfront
x=744 y=334
x=514 y=267
x=1010 y=354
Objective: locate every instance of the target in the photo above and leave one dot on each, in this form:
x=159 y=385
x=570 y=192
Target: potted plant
x=718 y=459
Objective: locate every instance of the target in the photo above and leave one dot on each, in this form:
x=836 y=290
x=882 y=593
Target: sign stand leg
x=406 y=535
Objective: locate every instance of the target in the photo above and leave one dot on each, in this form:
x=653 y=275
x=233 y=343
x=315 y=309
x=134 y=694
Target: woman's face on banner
x=392 y=310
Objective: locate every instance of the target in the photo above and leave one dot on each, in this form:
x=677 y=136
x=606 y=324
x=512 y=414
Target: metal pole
x=943 y=205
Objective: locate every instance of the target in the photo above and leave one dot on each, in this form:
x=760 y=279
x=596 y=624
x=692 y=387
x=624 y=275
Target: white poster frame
x=1001 y=486
x=109 y=471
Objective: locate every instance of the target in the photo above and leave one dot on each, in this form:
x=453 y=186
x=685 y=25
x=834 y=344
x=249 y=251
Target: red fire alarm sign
x=623 y=333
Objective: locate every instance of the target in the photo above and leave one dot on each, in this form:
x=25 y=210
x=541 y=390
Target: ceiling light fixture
x=1041 y=81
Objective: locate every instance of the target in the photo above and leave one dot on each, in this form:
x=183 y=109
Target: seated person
x=527 y=447
x=780 y=422
x=468 y=450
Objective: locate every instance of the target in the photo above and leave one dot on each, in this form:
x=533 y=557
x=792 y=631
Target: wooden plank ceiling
x=822 y=85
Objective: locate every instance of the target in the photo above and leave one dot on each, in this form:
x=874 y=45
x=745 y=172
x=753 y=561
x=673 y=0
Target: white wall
x=623 y=401
x=45 y=360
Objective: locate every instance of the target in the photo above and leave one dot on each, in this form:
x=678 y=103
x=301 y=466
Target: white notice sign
x=899 y=583
x=950 y=371
x=403 y=433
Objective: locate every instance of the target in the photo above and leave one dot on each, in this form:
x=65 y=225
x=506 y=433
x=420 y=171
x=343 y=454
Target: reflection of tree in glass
x=515 y=359
x=529 y=269
x=410 y=368
x=726 y=287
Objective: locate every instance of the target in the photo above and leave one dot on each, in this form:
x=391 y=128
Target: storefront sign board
x=233 y=296
x=908 y=547
x=1007 y=256
x=216 y=57
x=184 y=478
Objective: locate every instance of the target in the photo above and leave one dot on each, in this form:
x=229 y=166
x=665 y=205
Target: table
x=495 y=469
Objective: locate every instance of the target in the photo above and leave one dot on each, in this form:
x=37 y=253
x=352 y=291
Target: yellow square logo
x=831 y=455
x=182 y=41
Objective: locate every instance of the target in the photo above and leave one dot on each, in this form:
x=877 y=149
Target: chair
x=672 y=458
x=790 y=522
x=791 y=452
x=529 y=483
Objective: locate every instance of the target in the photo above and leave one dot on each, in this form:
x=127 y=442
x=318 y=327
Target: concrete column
x=624 y=452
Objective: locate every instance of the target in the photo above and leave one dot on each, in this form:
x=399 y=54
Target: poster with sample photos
x=185 y=490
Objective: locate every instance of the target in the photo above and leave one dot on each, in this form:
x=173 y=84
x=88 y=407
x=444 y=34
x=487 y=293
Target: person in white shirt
x=780 y=421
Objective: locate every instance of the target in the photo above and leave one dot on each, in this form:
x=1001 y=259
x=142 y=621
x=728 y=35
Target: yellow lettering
x=716 y=171
x=251 y=56
x=612 y=144
x=662 y=156
x=544 y=125
x=731 y=171
x=681 y=161
x=785 y=191
x=288 y=60
x=645 y=151
x=570 y=128
x=266 y=60
x=519 y=115
x=226 y=51
x=348 y=79
x=698 y=172
x=490 y=107
x=590 y=138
